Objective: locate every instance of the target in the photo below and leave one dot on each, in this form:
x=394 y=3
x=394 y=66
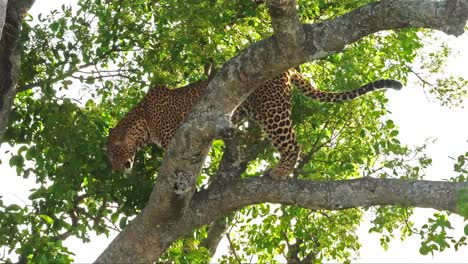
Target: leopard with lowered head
x=156 y=118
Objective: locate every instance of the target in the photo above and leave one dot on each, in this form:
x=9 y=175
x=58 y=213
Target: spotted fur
x=156 y=118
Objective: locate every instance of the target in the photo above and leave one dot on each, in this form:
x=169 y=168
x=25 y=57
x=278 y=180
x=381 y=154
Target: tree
x=84 y=68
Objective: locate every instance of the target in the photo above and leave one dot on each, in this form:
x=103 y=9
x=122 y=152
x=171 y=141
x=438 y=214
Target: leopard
x=159 y=114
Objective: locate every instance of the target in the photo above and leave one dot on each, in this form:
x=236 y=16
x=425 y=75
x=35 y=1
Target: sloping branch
x=167 y=214
x=216 y=231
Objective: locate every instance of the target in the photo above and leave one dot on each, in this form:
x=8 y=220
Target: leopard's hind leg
x=270 y=107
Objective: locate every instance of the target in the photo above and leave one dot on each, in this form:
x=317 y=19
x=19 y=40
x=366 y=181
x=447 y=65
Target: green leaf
x=90 y=80
x=47 y=218
x=462 y=203
x=394 y=133
x=123 y=222
x=13 y=208
x=115 y=217
x=424 y=250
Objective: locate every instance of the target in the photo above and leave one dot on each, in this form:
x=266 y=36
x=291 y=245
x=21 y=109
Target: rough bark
x=10 y=57
x=211 y=204
x=3 y=10
x=173 y=209
x=327 y=195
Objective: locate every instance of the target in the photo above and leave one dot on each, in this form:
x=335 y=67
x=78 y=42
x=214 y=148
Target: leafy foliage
x=435 y=236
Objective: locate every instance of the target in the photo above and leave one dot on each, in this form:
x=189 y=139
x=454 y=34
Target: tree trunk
x=10 y=59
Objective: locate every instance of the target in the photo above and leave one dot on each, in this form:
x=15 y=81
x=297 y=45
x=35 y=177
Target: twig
x=68 y=73
x=231 y=247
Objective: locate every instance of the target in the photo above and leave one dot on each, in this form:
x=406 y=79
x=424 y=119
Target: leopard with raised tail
x=156 y=118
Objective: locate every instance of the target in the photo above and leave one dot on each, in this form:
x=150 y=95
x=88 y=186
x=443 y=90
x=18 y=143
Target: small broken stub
x=181 y=183
x=224 y=127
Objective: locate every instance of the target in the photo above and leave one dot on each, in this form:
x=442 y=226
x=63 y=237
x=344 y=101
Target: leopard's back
x=166 y=109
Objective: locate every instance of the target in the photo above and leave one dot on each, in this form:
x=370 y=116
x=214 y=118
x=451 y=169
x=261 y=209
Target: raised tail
x=309 y=89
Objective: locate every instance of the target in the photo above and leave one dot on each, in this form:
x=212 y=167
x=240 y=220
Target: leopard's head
x=120 y=151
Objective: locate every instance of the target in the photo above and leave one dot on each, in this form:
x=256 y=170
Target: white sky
x=417 y=119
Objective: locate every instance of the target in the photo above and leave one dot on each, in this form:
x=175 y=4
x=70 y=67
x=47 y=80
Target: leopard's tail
x=309 y=89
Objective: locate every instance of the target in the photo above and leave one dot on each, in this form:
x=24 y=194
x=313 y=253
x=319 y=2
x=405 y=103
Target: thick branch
x=216 y=231
x=289 y=35
x=233 y=83
x=240 y=150
x=330 y=195
x=210 y=205
x=238 y=153
x=330 y=36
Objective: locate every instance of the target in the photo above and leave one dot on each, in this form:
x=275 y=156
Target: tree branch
x=240 y=150
x=167 y=207
x=209 y=205
x=289 y=35
x=293 y=254
x=68 y=73
x=216 y=231
x=330 y=195
x=232 y=248
x=238 y=153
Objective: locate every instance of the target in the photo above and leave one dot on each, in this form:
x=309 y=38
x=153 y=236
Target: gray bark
x=326 y=195
x=174 y=210
x=317 y=195
x=10 y=57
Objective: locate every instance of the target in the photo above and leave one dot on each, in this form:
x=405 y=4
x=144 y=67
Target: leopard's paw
x=279 y=174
